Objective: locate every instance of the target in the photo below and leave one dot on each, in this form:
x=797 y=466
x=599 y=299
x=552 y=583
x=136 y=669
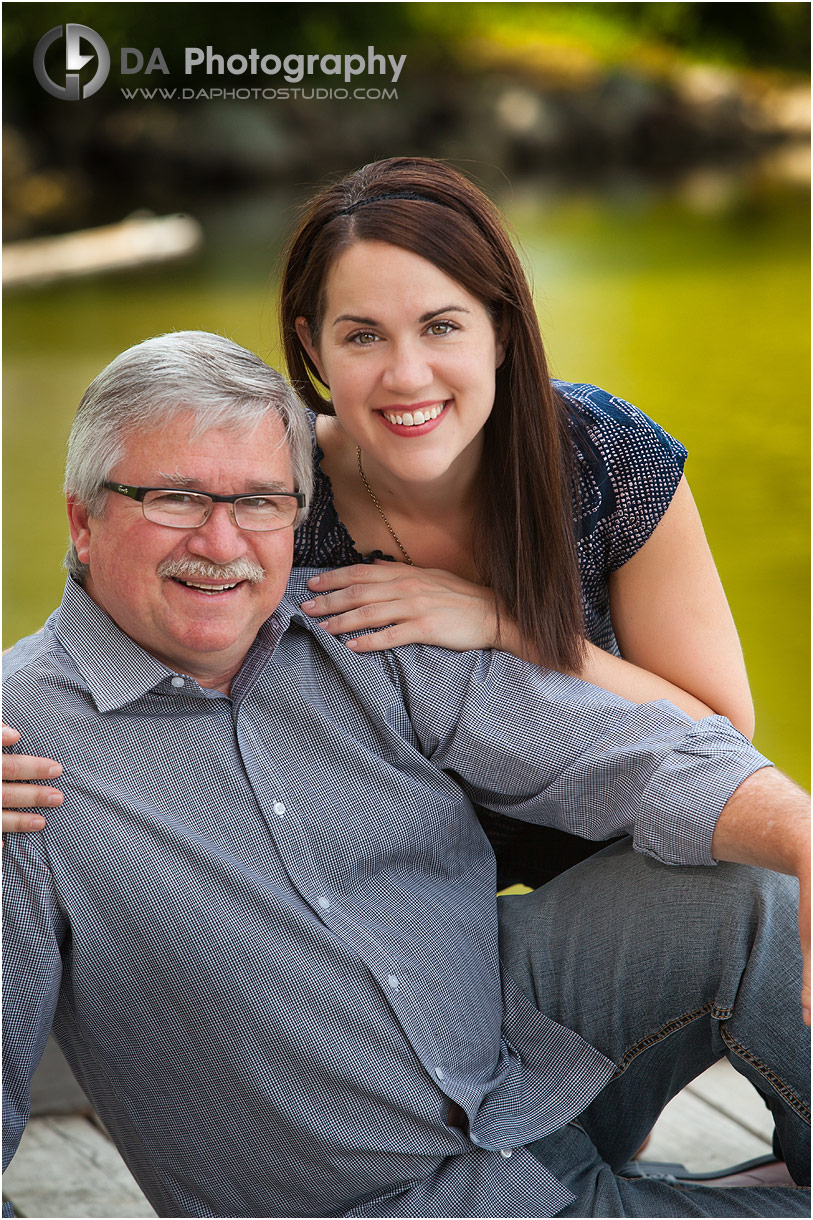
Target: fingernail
x=54 y=798
x=36 y=822
x=54 y=771
x=308 y=605
x=313 y=582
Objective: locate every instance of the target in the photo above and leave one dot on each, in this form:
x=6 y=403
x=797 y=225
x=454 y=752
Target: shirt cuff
x=687 y=792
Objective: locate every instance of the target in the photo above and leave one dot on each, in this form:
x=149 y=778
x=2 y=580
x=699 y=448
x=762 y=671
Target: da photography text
x=72 y=63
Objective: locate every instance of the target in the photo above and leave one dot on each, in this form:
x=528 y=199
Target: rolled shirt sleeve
x=547 y=748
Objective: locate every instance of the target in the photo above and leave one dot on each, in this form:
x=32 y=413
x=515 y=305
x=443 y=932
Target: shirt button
x=324 y=903
x=279 y=809
x=440 y=1074
x=176 y=681
x=507 y=1153
x=392 y=979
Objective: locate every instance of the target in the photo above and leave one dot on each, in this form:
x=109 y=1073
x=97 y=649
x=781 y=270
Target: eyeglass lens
x=187 y=509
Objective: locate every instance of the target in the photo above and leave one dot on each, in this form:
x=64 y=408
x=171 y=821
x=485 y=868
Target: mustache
x=225 y=573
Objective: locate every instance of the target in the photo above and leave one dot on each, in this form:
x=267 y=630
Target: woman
x=548 y=519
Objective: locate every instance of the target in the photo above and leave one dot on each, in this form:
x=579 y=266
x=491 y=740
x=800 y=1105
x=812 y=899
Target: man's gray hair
x=145 y=387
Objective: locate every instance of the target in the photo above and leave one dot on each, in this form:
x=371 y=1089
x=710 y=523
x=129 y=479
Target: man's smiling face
x=183 y=594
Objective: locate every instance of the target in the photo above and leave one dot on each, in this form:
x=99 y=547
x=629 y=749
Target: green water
x=697 y=314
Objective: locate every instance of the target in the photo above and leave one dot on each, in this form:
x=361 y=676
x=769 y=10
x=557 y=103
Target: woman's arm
x=671 y=617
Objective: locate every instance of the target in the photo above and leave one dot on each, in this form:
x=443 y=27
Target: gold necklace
x=381 y=512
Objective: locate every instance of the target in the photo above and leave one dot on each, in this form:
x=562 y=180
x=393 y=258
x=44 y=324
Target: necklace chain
x=381 y=512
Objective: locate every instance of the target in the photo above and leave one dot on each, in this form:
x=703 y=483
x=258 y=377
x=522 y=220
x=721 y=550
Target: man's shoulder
x=414 y=671
x=297 y=590
x=31 y=652
x=37 y=671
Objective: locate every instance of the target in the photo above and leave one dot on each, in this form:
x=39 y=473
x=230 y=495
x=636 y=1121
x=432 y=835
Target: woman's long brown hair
x=524 y=533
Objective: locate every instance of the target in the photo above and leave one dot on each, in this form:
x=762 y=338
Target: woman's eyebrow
x=426 y=317
x=349 y=317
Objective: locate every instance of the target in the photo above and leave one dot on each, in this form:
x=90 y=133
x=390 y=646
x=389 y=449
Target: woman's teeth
x=409 y=419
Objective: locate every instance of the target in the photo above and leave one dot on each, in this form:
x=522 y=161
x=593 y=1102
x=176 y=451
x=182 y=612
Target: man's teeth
x=210 y=588
x=410 y=419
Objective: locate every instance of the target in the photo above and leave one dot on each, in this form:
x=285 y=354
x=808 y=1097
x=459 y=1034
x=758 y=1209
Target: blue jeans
x=666 y=970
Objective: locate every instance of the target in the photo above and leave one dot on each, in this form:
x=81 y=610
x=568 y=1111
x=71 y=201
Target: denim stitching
x=721 y=1015
x=779 y=1085
x=671 y=1027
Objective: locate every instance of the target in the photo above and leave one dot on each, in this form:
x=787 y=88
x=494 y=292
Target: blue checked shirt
x=265 y=927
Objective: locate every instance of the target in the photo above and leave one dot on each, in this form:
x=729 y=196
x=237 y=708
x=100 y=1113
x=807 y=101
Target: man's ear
x=80 y=528
x=303 y=332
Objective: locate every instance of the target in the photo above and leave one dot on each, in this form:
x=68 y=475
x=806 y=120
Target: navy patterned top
x=628 y=469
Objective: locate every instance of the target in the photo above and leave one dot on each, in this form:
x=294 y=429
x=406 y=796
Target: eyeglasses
x=184 y=510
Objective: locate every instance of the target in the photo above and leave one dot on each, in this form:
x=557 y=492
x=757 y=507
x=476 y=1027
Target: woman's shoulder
x=606 y=424
x=614 y=442
x=627 y=468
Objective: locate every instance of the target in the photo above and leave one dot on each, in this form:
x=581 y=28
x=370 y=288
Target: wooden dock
x=66 y=1166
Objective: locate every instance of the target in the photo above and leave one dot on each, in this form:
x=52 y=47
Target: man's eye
x=269 y=506
x=173 y=499
x=259 y=502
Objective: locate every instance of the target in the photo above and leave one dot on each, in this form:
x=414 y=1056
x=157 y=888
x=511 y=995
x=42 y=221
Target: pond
x=692 y=306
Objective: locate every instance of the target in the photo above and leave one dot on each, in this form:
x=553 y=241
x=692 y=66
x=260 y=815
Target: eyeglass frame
x=138 y=493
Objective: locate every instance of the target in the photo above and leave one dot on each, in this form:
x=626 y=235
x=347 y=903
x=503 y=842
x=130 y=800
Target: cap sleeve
x=628 y=470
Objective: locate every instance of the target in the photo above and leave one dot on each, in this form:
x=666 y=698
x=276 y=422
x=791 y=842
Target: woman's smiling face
x=410 y=359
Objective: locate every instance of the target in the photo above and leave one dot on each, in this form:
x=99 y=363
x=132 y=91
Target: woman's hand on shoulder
x=399 y=604
x=18 y=791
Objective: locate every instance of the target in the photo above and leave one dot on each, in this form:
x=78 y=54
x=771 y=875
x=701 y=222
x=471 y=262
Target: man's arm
x=33 y=932
x=536 y=745
x=547 y=748
x=767 y=822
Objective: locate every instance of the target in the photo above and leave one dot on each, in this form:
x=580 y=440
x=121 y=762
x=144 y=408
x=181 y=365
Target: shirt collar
x=117 y=670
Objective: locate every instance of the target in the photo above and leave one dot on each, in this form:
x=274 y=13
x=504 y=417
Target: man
x=264 y=924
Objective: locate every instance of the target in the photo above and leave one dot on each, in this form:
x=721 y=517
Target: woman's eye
x=441 y=328
x=363 y=338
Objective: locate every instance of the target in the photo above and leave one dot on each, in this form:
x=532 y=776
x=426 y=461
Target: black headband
x=348 y=211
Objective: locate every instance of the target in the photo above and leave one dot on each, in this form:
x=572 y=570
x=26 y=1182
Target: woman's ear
x=303 y=332
x=500 y=336
x=500 y=347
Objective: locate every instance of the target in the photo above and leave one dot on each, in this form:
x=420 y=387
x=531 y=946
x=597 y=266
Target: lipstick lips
x=412 y=429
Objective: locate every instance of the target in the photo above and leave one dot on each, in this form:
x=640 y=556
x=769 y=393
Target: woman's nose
x=408 y=369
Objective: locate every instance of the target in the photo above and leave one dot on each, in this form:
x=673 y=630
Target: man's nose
x=408 y=369
x=219 y=538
